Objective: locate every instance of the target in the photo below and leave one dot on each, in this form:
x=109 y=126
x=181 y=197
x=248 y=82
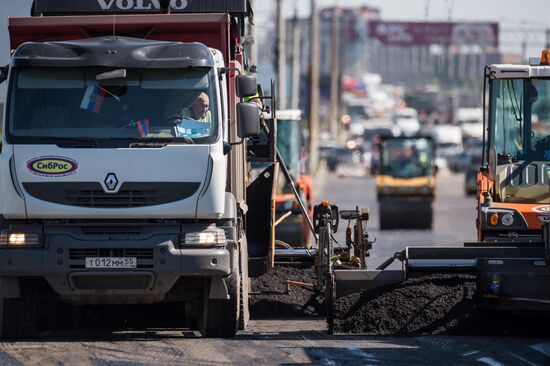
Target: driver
x=407 y=165
x=198 y=110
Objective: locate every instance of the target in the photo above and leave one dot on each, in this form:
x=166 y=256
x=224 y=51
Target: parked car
x=449 y=142
x=407 y=121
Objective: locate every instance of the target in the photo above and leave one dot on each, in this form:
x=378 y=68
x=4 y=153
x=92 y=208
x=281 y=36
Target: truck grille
x=111 y=230
x=131 y=194
x=139 y=253
x=111 y=282
x=145 y=256
x=113 y=200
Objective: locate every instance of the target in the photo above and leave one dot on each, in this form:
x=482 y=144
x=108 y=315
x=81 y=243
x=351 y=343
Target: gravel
x=433 y=304
x=423 y=305
x=299 y=302
x=429 y=305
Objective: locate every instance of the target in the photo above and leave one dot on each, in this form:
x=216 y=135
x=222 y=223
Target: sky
x=511 y=12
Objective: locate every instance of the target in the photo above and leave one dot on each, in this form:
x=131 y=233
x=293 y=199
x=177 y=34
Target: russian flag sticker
x=143 y=127
x=93 y=99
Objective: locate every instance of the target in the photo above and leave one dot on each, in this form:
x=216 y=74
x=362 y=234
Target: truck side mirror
x=248 y=117
x=247 y=86
x=3 y=73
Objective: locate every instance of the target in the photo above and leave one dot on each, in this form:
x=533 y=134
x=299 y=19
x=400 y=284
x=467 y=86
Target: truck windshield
x=176 y=105
x=407 y=158
x=520 y=119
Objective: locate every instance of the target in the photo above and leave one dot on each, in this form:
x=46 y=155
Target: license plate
x=111 y=262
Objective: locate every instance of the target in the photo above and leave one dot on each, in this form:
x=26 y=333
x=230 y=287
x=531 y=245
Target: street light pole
x=314 y=86
x=281 y=61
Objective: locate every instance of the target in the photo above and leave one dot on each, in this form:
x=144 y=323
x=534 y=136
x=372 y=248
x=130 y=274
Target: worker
x=198 y=110
x=408 y=164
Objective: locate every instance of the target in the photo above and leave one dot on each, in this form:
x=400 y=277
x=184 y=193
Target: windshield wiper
x=153 y=142
x=75 y=142
x=149 y=145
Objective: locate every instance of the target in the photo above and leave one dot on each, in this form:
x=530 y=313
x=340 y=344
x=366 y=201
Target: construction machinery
x=116 y=187
x=292 y=227
x=405 y=183
x=512 y=184
x=511 y=261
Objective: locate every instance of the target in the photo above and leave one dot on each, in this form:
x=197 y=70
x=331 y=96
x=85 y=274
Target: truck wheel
x=220 y=318
x=18 y=315
x=244 y=311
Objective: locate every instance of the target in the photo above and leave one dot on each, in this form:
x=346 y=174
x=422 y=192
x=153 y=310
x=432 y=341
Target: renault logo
x=111 y=181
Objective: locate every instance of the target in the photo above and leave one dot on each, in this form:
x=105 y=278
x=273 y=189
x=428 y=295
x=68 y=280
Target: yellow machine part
x=388 y=185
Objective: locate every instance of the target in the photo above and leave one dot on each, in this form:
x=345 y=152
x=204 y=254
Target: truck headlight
x=17 y=239
x=507 y=219
x=205 y=237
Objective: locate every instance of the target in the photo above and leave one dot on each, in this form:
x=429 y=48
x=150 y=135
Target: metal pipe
x=296 y=253
x=441 y=264
x=290 y=181
x=389 y=261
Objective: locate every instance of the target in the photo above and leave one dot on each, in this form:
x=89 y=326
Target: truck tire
x=18 y=315
x=220 y=318
x=244 y=288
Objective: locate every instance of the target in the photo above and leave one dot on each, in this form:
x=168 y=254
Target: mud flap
x=513 y=284
x=260 y=220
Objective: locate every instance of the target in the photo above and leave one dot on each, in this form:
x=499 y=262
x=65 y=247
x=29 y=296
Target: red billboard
x=396 y=33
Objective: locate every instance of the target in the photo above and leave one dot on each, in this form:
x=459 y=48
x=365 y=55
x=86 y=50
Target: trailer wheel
x=220 y=318
x=18 y=315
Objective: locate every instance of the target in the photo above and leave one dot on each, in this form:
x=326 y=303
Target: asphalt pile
x=432 y=304
x=429 y=305
x=269 y=299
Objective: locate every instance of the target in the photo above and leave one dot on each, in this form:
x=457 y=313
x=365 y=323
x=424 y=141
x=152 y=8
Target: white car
x=449 y=142
x=407 y=121
x=470 y=121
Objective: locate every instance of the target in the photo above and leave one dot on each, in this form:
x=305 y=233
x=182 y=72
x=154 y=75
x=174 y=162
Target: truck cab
x=123 y=163
x=513 y=182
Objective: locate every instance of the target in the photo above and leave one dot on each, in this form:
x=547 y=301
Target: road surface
x=303 y=342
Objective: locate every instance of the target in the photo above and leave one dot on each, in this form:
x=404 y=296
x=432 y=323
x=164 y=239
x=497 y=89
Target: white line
x=362 y=354
x=470 y=353
x=489 y=361
x=324 y=360
x=522 y=359
x=543 y=348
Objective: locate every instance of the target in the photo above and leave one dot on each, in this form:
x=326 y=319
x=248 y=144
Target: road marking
x=362 y=354
x=489 y=361
x=543 y=348
x=469 y=353
x=325 y=360
x=522 y=359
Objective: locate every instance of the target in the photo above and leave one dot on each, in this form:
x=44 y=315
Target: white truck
x=115 y=188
